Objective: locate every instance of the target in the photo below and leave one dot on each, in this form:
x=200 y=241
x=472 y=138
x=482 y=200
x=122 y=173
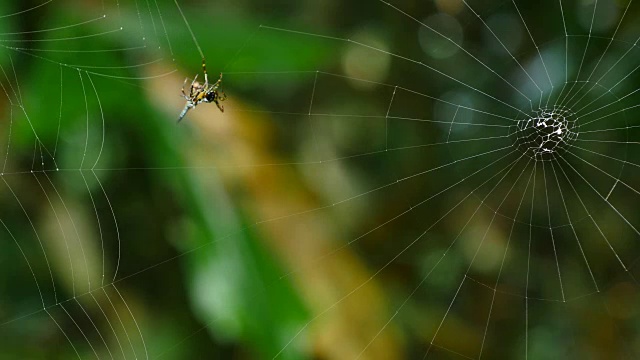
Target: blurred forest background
x=307 y=220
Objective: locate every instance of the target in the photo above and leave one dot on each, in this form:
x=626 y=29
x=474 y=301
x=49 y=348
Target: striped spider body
x=199 y=93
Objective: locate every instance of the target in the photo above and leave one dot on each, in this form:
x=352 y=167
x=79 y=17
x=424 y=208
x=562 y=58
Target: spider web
x=450 y=180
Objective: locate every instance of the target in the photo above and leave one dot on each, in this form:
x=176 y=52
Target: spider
x=199 y=93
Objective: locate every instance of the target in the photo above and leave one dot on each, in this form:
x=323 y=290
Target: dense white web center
x=546 y=133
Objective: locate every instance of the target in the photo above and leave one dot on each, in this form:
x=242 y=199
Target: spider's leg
x=217 y=84
x=183 y=84
x=204 y=69
x=195 y=78
x=217 y=101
